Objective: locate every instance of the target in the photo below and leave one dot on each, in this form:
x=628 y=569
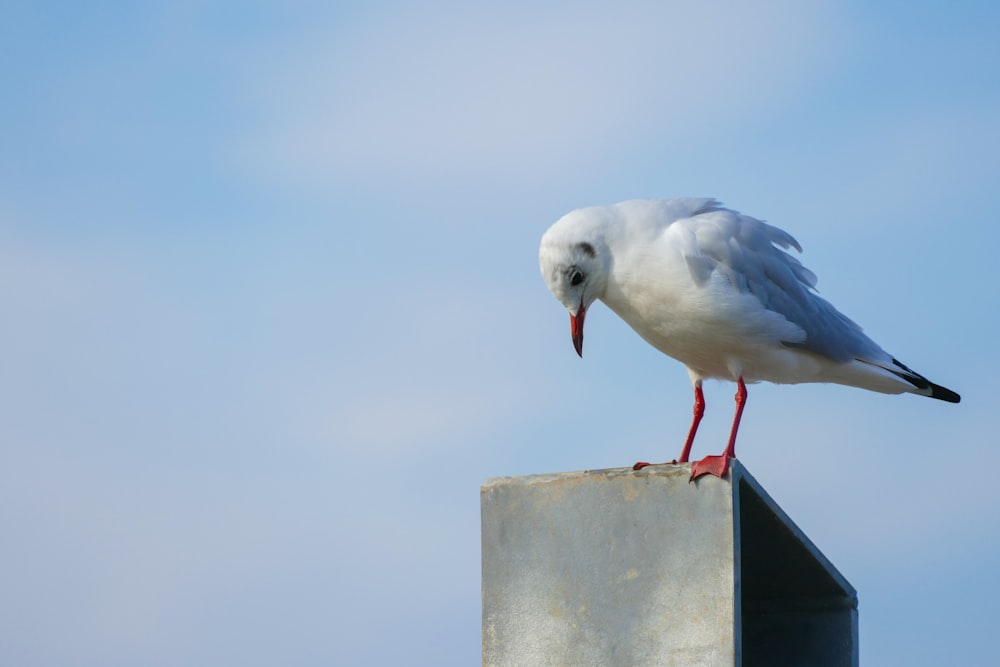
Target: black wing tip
x=944 y=394
x=920 y=382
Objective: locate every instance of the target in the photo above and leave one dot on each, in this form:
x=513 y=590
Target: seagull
x=714 y=289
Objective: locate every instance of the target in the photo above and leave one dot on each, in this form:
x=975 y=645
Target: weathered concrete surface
x=616 y=567
x=610 y=567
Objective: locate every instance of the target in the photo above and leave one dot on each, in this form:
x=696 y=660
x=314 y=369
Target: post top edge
x=669 y=470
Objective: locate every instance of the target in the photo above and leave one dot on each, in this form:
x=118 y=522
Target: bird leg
x=719 y=465
x=699 y=412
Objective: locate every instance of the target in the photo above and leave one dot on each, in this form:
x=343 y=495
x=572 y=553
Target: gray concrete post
x=618 y=567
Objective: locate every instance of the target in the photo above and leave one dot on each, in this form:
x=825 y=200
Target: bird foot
x=710 y=465
x=642 y=464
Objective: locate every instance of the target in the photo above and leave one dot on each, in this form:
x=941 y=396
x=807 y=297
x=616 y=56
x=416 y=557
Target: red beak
x=576 y=328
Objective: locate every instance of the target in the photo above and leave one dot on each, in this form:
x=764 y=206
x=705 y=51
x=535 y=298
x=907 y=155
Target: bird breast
x=713 y=328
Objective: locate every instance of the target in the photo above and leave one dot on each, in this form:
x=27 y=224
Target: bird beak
x=576 y=328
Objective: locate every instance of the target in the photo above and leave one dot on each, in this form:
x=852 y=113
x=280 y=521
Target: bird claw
x=642 y=464
x=710 y=465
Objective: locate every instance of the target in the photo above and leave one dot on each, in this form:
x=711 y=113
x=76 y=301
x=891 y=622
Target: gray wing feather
x=751 y=255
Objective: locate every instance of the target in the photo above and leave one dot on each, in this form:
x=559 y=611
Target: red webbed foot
x=710 y=465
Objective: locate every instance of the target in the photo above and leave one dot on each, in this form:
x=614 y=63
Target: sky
x=272 y=310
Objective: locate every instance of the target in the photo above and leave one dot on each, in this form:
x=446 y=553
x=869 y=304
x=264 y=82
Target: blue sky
x=273 y=311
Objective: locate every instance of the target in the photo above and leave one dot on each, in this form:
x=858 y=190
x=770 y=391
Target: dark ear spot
x=587 y=249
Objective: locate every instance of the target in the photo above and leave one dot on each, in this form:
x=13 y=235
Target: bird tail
x=922 y=385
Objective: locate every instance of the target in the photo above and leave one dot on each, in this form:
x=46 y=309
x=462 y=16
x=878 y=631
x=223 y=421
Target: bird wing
x=751 y=255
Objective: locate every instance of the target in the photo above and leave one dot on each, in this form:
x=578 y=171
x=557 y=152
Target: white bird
x=715 y=290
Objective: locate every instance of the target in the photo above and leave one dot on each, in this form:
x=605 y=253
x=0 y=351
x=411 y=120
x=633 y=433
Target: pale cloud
x=437 y=91
x=413 y=421
x=921 y=159
x=423 y=378
x=40 y=275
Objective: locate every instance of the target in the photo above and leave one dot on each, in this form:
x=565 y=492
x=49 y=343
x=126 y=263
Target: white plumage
x=715 y=290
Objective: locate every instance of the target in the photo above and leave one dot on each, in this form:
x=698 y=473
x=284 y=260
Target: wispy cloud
x=509 y=91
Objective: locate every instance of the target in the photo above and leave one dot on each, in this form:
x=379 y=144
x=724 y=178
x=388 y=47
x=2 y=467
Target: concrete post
x=616 y=567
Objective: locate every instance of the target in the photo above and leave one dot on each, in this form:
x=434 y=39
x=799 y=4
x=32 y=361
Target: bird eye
x=576 y=277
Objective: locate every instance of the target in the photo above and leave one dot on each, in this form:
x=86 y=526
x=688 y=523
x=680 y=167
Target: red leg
x=719 y=465
x=699 y=412
x=741 y=399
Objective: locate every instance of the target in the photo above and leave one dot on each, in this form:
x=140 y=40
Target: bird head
x=575 y=264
